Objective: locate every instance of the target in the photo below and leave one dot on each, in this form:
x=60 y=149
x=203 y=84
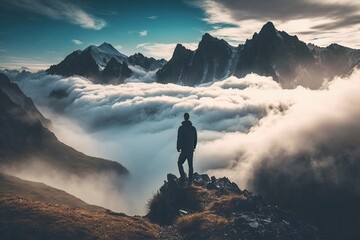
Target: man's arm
x=195 y=137
x=178 y=142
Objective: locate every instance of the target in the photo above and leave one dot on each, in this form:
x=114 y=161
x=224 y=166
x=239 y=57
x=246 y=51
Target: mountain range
x=103 y=64
x=273 y=53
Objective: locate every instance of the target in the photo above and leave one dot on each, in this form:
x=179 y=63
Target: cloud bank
x=267 y=139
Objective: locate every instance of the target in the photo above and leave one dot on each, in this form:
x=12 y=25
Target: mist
x=250 y=130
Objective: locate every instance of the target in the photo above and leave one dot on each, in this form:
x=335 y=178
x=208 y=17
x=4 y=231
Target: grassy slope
x=41 y=192
x=22 y=218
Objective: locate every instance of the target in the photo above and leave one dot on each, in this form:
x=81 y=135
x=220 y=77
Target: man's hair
x=186 y=116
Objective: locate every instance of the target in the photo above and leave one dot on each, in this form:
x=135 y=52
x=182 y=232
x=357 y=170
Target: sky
x=37 y=33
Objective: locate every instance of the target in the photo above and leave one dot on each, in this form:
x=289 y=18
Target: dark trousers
x=188 y=155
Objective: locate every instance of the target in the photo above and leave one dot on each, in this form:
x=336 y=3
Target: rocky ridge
x=214 y=208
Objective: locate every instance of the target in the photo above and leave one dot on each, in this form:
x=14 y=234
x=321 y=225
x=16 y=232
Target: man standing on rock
x=186 y=144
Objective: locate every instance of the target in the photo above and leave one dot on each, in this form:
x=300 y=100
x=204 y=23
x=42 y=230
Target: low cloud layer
x=250 y=129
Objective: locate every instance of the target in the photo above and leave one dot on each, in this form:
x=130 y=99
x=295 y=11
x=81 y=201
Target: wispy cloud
x=162 y=50
x=61 y=10
x=321 y=22
x=77 y=42
x=118 y=47
x=143 y=33
x=4 y=50
x=153 y=17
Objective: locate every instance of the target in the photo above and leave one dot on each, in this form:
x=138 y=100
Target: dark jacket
x=187 y=137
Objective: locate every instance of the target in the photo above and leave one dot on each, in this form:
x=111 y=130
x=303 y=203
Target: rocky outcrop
x=214 y=208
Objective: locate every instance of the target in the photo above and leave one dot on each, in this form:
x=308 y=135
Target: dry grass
x=25 y=219
x=164 y=206
x=202 y=221
x=155 y=201
x=226 y=204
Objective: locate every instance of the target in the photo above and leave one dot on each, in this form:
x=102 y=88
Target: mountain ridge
x=270 y=52
x=103 y=64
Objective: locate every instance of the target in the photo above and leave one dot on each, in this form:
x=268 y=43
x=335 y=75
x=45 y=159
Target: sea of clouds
x=250 y=130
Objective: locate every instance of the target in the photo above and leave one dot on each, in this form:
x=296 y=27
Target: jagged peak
x=269 y=26
x=268 y=29
x=207 y=36
x=180 y=48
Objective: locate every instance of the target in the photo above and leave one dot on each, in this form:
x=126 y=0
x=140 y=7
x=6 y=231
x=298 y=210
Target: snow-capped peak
x=104 y=52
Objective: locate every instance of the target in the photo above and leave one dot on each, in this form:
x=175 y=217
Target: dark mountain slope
x=335 y=60
x=213 y=60
x=173 y=71
x=17 y=96
x=77 y=63
x=23 y=139
x=279 y=55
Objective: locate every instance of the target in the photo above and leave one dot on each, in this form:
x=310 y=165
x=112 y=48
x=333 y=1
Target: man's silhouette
x=186 y=143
